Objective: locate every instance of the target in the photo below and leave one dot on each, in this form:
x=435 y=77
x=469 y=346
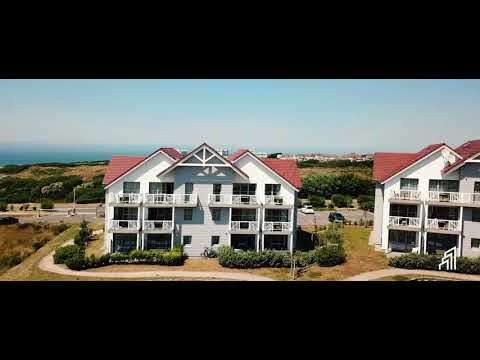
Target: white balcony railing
x=444 y=196
x=165 y=225
x=219 y=199
x=471 y=198
x=439 y=224
x=274 y=200
x=125 y=198
x=159 y=199
x=406 y=195
x=404 y=221
x=125 y=225
x=277 y=226
x=244 y=225
x=185 y=199
x=244 y=200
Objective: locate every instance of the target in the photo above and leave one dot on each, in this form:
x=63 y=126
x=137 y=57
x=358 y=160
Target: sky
x=329 y=116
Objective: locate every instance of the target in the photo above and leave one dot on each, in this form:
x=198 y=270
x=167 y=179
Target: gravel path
x=372 y=275
x=46 y=264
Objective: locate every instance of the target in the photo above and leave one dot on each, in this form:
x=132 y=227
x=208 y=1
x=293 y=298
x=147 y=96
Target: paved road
x=322 y=217
x=62 y=217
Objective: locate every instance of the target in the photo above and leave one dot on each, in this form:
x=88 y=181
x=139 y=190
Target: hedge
x=330 y=255
x=62 y=254
x=465 y=265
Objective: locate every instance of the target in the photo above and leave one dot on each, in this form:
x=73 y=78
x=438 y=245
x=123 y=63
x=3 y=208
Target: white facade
x=203 y=206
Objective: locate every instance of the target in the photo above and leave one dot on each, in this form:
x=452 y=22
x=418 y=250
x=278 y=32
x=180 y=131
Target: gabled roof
x=387 y=165
x=121 y=165
x=468 y=150
x=285 y=168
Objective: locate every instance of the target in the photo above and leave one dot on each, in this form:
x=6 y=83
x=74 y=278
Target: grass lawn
x=361 y=257
x=96 y=247
x=416 y=277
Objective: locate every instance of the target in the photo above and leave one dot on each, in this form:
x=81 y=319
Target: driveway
x=321 y=217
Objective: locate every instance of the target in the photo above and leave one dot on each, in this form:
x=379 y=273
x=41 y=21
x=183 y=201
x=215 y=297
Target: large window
x=408 y=184
x=439 y=243
x=275 y=242
x=187 y=214
x=244 y=214
x=158 y=241
x=217 y=188
x=276 y=215
x=476 y=215
x=131 y=187
x=244 y=189
x=124 y=243
x=443 y=212
x=402 y=241
x=272 y=189
x=243 y=242
x=160 y=188
x=403 y=210
x=159 y=214
x=443 y=185
x=125 y=213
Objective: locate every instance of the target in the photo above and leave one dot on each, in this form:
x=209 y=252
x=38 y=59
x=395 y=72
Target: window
x=403 y=210
x=276 y=242
x=443 y=185
x=131 y=188
x=187 y=240
x=439 y=243
x=160 y=188
x=244 y=189
x=217 y=188
x=216 y=214
x=188 y=188
x=215 y=240
x=158 y=241
x=244 y=215
x=125 y=213
x=272 y=189
x=408 y=184
x=276 y=215
x=475 y=243
x=476 y=187
x=443 y=212
x=124 y=243
x=187 y=214
x=402 y=241
x=476 y=215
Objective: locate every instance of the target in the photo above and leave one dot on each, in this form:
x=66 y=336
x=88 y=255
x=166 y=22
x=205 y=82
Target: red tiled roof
x=287 y=169
x=173 y=153
x=119 y=165
x=237 y=154
x=466 y=150
x=385 y=165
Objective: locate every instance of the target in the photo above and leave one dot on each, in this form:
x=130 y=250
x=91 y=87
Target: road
x=321 y=217
x=90 y=217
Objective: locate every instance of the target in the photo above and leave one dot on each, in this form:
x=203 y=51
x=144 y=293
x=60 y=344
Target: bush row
x=465 y=265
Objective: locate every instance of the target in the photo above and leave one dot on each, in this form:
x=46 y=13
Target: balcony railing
x=406 y=195
x=274 y=200
x=439 y=224
x=125 y=198
x=471 y=198
x=445 y=196
x=219 y=199
x=125 y=225
x=244 y=200
x=165 y=225
x=401 y=221
x=244 y=225
x=276 y=226
x=186 y=199
x=159 y=199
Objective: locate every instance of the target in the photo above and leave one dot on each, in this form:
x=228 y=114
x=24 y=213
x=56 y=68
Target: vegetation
x=465 y=265
x=368 y=164
x=84 y=235
x=341 y=201
x=3 y=206
x=317 y=201
x=88 y=192
x=13 y=169
x=327 y=185
x=46 y=204
x=62 y=254
x=366 y=202
x=330 y=255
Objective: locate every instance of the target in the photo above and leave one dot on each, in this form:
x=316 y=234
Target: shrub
x=66 y=252
x=39 y=243
x=317 y=201
x=59 y=228
x=77 y=262
x=330 y=255
x=11 y=260
x=416 y=261
x=348 y=201
x=84 y=234
x=3 y=206
x=468 y=265
x=46 y=204
x=333 y=235
x=339 y=200
x=305 y=258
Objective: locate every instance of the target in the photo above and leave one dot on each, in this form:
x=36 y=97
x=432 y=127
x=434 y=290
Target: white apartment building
x=428 y=201
x=199 y=200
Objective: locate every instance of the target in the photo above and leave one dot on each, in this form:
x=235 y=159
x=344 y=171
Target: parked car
x=8 y=220
x=307 y=209
x=336 y=217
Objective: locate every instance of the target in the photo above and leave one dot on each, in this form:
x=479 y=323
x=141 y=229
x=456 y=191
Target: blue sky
x=265 y=115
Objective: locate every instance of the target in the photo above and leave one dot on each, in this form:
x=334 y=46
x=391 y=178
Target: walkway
x=46 y=264
x=373 y=275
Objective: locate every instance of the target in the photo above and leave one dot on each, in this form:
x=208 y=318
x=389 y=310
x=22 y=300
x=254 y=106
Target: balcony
x=125 y=199
x=124 y=225
x=245 y=201
x=471 y=199
x=445 y=197
x=406 y=196
x=244 y=226
x=277 y=226
x=229 y=200
x=404 y=223
x=439 y=225
x=185 y=200
x=158 y=200
x=276 y=201
x=219 y=200
x=158 y=226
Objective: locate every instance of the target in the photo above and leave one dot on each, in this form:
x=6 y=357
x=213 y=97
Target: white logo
x=449 y=259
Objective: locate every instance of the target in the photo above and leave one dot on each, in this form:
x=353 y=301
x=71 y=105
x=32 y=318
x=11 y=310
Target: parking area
x=321 y=217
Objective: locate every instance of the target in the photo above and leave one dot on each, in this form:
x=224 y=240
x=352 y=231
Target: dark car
x=336 y=217
x=8 y=220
